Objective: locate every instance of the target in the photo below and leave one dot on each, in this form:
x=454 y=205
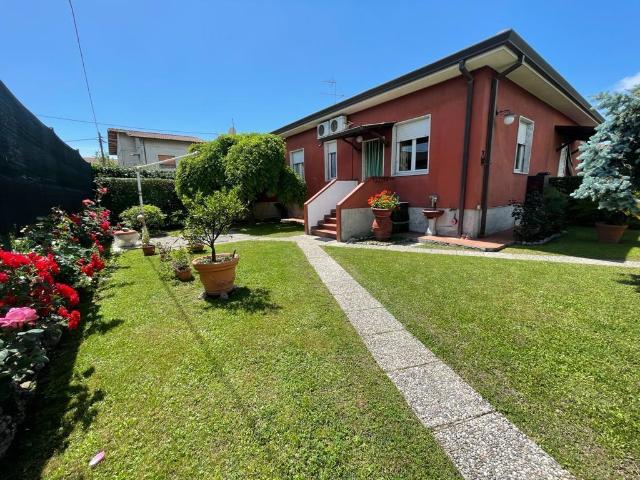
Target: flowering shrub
x=385 y=199
x=39 y=282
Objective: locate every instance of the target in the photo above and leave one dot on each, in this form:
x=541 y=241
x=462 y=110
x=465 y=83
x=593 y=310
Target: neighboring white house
x=135 y=148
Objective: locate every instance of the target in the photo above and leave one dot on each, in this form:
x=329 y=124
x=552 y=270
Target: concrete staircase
x=327 y=227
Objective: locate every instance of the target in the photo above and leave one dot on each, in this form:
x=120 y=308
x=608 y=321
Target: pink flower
x=86 y=202
x=17 y=317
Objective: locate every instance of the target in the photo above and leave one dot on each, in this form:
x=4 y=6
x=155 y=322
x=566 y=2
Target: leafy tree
x=610 y=160
x=252 y=164
x=204 y=172
x=212 y=215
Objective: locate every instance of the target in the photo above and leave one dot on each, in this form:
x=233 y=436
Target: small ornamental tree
x=610 y=160
x=211 y=216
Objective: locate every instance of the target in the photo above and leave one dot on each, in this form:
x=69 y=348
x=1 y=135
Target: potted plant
x=610 y=164
x=193 y=244
x=181 y=263
x=382 y=205
x=147 y=247
x=208 y=218
x=126 y=237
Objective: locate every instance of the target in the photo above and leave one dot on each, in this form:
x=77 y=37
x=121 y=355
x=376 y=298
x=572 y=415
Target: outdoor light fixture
x=359 y=139
x=508 y=116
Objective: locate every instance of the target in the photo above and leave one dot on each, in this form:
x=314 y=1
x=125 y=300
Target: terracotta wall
x=446 y=103
x=504 y=184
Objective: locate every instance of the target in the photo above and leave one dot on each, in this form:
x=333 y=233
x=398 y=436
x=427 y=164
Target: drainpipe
x=491 y=118
x=465 y=145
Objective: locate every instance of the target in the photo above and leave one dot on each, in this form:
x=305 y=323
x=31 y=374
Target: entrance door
x=372 y=158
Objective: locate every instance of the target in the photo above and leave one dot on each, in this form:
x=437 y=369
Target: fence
x=37 y=169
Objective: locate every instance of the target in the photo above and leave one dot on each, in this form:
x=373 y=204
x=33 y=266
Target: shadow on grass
x=216 y=367
x=62 y=401
x=246 y=300
x=631 y=279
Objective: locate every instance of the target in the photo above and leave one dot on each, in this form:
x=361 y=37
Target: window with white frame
x=411 y=149
x=297 y=161
x=330 y=160
x=523 y=146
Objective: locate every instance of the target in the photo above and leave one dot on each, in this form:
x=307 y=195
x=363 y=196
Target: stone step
x=320 y=232
x=329 y=219
x=327 y=226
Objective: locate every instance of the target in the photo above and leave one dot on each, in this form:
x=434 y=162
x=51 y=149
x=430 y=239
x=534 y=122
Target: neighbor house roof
x=112 y=133
x=497 y=52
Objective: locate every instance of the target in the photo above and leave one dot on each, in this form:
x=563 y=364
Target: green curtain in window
x=373 y=158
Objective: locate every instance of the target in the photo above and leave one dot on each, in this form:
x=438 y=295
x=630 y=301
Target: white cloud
x=627 y=82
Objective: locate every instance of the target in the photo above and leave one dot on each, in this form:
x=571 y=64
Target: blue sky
x=194 y=65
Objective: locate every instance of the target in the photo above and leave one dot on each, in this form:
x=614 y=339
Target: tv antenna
x=334 y=92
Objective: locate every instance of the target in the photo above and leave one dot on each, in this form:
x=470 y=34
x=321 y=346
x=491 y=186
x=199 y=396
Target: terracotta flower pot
x=610 y=233
x=184 y=275
x=217 y=278
x=149 y=250
x=382 y=225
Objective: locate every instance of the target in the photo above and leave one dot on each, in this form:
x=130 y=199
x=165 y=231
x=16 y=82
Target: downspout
x=465 y=146
x=486 y=161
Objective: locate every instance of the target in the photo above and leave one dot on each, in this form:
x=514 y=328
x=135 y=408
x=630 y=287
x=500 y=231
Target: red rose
x=69 y=293
x=74 y=320
x=4 y=277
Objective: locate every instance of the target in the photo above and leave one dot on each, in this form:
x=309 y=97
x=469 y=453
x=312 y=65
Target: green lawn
x=582 y=242
x=554 y=347
x=271 y=229
x=261 y=386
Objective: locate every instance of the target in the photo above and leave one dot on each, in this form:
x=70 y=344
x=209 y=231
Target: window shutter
x=411 y=130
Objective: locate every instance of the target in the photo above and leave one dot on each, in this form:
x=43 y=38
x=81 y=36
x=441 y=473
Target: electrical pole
x=103 y=159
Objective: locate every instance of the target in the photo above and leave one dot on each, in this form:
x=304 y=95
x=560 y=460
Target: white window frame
x=363 y=159
x=326 y=159
x=291 y=153
x=394 y=151
x=527 y=159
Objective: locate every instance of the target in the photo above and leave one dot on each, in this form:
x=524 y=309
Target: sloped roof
x=497 y=52
x=112 y=134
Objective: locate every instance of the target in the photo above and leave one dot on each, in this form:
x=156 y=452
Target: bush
x=123 y=193
x=540 y=216
x=252 y=164
x=153 y=216
x=113 y=170
x=204 y=172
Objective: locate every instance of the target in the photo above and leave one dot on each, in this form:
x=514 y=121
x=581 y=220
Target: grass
x=259 y=386
x=271 y=229
x=582 y=242
x=554 y=347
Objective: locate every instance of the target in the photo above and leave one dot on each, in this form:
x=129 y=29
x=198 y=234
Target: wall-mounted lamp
x=508 y=116
x=359 y=139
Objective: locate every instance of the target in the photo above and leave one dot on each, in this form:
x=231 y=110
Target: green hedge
x=123 y=193
x=116 y=171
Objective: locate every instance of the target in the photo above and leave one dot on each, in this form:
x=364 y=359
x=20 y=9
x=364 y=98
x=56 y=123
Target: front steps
x=327 y=227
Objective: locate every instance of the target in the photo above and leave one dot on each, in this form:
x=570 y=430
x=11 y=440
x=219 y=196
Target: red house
x=466 y=130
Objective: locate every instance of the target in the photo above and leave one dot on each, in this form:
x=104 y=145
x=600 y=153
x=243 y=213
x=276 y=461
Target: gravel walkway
x=481 y=442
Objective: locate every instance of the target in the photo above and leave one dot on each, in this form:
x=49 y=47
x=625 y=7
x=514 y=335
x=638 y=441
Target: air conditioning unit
x=323 y=129
x=338 y=124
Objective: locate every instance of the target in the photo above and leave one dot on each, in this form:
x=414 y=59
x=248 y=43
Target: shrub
x=123 y=192
x=252 y=164
x=211 y=216
x=540 y=216
x=153 y=216
x=204 y=172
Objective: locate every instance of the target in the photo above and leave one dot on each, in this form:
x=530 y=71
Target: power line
x=86 y=79
x=124 y=126
x=80 y=140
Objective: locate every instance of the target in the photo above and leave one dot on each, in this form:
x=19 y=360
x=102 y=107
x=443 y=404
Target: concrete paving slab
x=373 y=320
x=438 y=395
x=491 y=447
x=357 y=300
x=397 y=350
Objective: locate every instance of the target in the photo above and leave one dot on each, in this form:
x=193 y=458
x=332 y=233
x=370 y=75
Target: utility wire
x=86 y=79
x=125 y=126
x=80 y=140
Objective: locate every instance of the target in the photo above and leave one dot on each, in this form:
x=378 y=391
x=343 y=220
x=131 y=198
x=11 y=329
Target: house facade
x=465 y=131
x=137 y=148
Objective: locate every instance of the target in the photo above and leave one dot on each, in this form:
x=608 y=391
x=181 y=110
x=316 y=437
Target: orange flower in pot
x=208 y=218
x=382 y=205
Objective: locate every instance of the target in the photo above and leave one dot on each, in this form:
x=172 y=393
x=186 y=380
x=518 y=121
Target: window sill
x=516 y=172
x=410 y=174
